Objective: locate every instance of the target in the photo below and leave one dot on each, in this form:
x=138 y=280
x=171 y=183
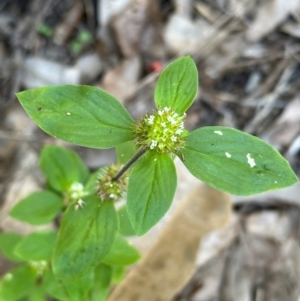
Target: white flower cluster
x=76 y=191
x=166 y=126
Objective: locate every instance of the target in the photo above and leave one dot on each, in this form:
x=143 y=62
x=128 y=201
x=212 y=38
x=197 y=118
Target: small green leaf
x=121 y=253
x=85 y=237
x=36 y=246
x=151 y=189
x=38 y=208
x=177 y=86
x=103 y=278
x=62 y=167
x=125 y=151
x=17 y=283
x=8 y=242
x=125 y=224
x=235 y=162
x=37 y=294
x=118 y=273
x=78 y=290
x=53 y=288
x=81 y=115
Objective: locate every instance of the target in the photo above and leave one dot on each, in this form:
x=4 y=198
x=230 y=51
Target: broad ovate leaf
x=86 y=235
x=235 y=162
x=177 y=86
x=38 y=208
x=82 y=115
x=62 y=167
x=36 y=246
x=121 y=253
x=151 y=189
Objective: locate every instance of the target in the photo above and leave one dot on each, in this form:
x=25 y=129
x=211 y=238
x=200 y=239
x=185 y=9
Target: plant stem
x=129 y=164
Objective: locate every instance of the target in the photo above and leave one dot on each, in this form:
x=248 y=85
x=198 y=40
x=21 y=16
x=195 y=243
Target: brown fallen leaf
x=170 y=262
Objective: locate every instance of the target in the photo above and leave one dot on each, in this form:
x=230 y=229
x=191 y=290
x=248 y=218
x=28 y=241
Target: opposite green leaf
x=85 y=237
x=36 y=246
x=177 y=86
x=38 y=208
x=62 y=167
x=151 y=189
x=81 y=115
x=17 y=283
x=121 y=253
x=235 y=162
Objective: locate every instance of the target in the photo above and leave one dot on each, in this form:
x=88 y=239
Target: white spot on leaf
x=68 y=113
x=228 y=155
x=251 y=161
x=218 y=132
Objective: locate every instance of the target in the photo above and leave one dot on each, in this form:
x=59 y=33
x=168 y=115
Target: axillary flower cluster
x=161 y=131
x=107 y=188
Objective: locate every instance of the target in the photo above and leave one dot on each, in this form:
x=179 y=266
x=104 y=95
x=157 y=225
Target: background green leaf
x=78 y=290
x=224 y=158
x=38 y=208
x=151 y=189
x=121 y=253
x=74 y=291
x=62 y=167
x=17 y=283
x=85 y=237
x=91 y=184
x=118 y=273
x=125 y=151
x=8 y=242
x=177 y=86
x=53 y=288
x=103 y=278
x=126 y=228
x=36 y=246
x=82 y=115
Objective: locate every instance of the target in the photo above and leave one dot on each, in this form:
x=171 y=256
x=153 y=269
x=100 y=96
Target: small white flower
x=172 y=120
x=178 y=132
x=182 y=125
x=76 y=187
x=160 y=112
x=174 y=138
x=163 y=124
x=151 y=119
x=79 y=204
x=112 y=196
x=175 y=115
x=153 y=144
x=165 y=130
x=166 y=109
